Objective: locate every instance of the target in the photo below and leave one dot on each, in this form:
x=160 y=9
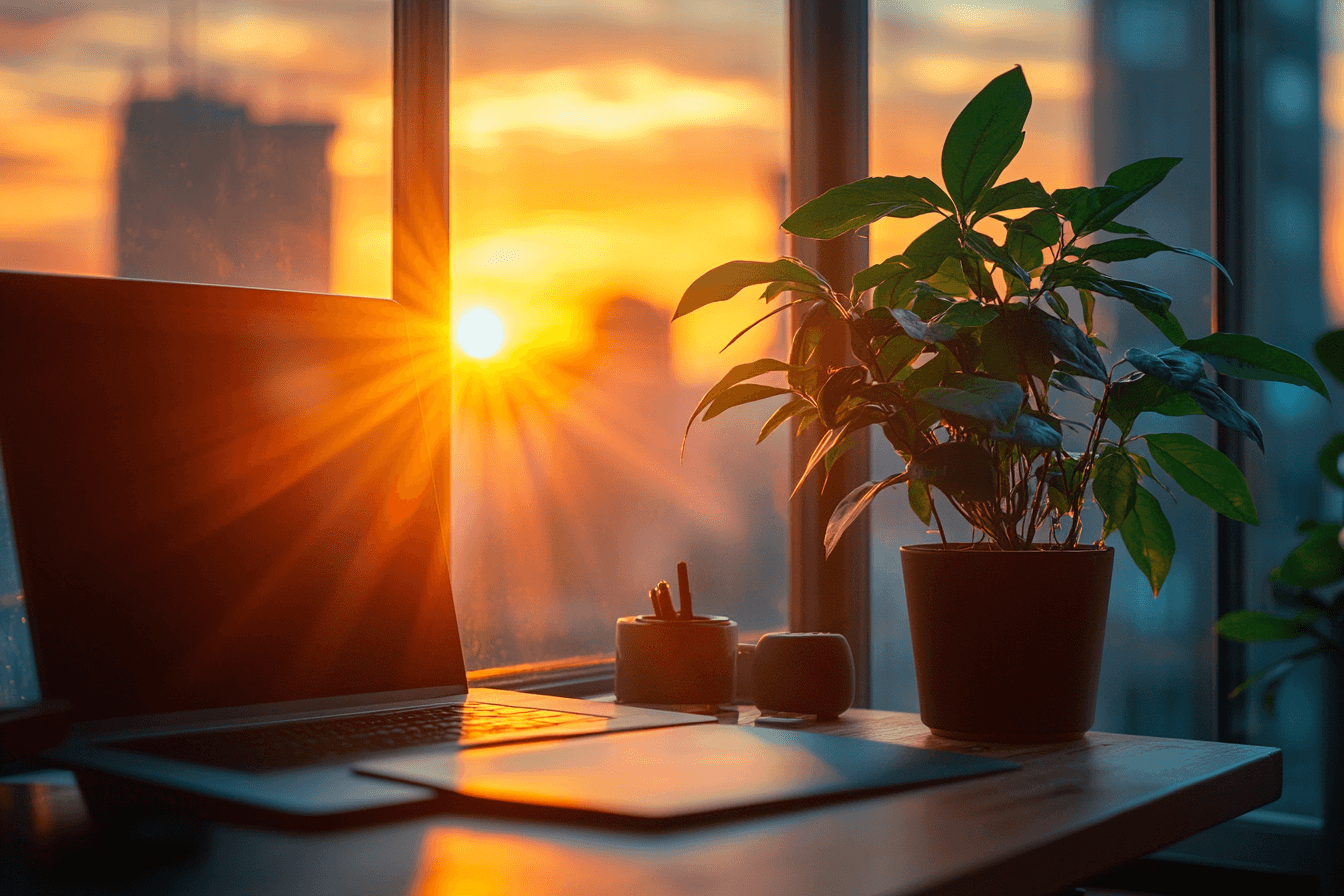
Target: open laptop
x=225 y=514
x=232 y=552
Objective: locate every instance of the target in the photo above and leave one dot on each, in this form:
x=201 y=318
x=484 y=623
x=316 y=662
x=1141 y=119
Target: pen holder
x=675 y=662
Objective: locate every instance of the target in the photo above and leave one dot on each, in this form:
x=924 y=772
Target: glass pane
x=603 y=156
x=1113 y=81
x=223 y=142
x=1293 y=295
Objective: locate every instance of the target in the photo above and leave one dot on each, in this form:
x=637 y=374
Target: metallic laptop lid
x=220 y=496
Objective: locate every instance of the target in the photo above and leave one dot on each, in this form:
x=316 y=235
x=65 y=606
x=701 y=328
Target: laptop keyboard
x=284 y=745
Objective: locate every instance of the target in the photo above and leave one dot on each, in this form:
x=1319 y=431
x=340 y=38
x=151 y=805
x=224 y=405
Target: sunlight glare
x=480 y=333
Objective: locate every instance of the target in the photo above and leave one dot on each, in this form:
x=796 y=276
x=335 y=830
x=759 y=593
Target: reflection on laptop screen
x=220 y=496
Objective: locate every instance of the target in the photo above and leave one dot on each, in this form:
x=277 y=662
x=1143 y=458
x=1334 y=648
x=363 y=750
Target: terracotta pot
x=1007 y=644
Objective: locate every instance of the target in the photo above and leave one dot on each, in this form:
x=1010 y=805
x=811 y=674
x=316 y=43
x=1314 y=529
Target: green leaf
x=1317 y=562
x=745 y=393
x=1205 y=473
x=1148 y=538
x=741 y=372
x=867 y=278
x=1117 y=227
x=985 y=137
x=727 y=280
x=1249 y=358
x=1217 y=404
x=1014 y=344
x=1175 y=367
x=1133 y=396
x=1071 y=345
x=1066 y=382
x=994 y=254
x=853 y=505
x=1151 y=302
x=896 y=353
x=1252 y=625
x=962 y=470
x=782 y=286
x=927 y=252
x=1029 y=236
x=931 y=372
x=1089 y=302
x=995 y=402
x=1114 y=487
x=1166 y=322
x=1030 y=431
x=1131 y=248
x=921 y=502
x=829 y=439
x=1328 y=460
x=1330 y=352
x=782 y=413
x=1059 y=306
x=1015 y=194
x=839 y=386
x=918 y=329
x=840 y=450
x=806 y=339
x=950 y=279
x=1092 y=209
x=969 y=313
x=851 y=206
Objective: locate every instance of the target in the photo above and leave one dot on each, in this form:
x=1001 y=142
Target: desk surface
x=1072 y=811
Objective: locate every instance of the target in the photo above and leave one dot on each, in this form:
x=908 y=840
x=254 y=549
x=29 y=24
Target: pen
x=665 y=610
x=684 y=590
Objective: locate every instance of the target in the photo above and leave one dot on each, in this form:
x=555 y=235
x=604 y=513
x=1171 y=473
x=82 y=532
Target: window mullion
x=420 y=259
x=1230 y=245
x=828 y=96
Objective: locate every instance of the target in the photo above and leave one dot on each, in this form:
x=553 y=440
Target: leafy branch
x=965 y=343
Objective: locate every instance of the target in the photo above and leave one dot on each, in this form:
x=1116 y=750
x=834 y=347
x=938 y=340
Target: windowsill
x=1260 y=840
x=587 y=676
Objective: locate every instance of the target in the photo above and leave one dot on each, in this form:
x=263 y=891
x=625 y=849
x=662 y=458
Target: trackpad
x=675 y=772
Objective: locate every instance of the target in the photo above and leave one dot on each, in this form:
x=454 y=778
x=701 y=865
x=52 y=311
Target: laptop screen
x=221 y=496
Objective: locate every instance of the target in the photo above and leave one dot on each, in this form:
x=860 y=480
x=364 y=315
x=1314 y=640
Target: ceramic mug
x=803 y=672
x=675 y=662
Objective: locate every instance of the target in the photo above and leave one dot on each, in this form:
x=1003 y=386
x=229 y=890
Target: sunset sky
x=599 y=149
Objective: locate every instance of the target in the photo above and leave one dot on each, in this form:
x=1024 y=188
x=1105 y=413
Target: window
x=594 y=176
x=603 y=156
x=222 y=142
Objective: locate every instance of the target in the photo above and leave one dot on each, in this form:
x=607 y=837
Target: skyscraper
x=206 y=194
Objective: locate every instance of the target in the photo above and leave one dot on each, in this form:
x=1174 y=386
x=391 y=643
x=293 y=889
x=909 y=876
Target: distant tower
x=205 y=194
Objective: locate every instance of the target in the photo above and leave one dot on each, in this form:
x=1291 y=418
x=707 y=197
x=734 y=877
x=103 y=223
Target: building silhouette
x=206 y=194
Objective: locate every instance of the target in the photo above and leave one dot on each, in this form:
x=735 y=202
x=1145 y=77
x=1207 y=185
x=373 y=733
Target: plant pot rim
x=987 y=547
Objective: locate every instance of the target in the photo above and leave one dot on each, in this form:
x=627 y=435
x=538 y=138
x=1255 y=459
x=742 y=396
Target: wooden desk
x=1072 y=811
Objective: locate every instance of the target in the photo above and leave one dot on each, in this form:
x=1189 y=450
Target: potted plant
x=963 y=347
x=1311 y=582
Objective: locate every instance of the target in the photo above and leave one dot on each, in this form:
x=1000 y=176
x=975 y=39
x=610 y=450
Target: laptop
x=230 y=536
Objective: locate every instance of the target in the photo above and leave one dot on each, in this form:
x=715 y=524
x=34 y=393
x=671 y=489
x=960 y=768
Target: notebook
x=230 y=536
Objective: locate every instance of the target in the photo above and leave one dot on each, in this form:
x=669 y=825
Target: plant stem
x=933 y=508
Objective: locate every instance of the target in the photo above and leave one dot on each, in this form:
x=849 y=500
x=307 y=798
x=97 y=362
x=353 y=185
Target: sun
x=480 y=333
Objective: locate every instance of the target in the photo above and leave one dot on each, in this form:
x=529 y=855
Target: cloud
x=614 y=102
